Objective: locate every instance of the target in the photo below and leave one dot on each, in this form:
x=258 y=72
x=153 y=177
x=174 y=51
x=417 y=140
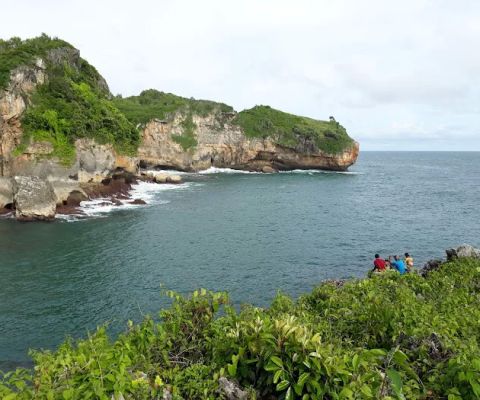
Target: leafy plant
x=387 y=337
x=293 y=130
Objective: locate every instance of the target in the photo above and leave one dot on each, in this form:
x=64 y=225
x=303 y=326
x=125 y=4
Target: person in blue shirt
x=399 y=265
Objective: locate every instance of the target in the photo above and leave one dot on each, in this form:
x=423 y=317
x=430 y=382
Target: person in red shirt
x=378 y=263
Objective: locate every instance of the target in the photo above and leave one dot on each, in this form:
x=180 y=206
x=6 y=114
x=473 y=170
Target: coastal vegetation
x=293 y=130
x=74 y=102
x=16 y=52
x=152 y=104
x=387 y=337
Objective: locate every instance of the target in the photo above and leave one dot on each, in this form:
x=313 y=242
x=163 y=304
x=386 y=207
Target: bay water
x=249 y=234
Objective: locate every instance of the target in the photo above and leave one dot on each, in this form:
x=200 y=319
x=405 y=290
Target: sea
x=250 y=234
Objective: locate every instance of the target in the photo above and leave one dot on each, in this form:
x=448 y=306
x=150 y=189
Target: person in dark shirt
x=378 y=264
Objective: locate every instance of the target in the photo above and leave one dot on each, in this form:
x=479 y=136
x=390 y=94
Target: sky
x=399 y=75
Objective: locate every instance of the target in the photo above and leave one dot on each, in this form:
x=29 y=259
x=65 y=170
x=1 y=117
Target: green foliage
x=187 y=138
x=15 y=52
x=292 y=130
x=73 y=102
x=388 y=337
x=152 y=104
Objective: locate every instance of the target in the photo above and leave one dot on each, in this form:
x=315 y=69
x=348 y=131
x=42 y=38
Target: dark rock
x=451 y=254
x=138 y=201
x=75 y=198
x=431 y=265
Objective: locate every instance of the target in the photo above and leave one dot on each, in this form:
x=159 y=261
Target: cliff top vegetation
x=387 y=337
x=151 y=104
x=293 y=130
x=74 y=102
x=16 y=52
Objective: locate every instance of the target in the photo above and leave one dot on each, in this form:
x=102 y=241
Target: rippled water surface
x=250 y=234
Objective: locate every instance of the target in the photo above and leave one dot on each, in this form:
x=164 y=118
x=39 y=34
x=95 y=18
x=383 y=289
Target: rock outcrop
x=58 y=163
x=227 y=146
x=34 y=198
x=13 y=103
x=465 y=250
x=6 y=192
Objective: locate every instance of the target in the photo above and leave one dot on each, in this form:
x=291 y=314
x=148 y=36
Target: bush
x=388 y=337
x=292 y=130
x=152 y=104
x=73 y=102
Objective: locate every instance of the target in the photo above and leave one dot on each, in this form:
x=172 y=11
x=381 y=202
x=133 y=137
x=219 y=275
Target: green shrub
x=292 y=130
x=73 y=102
x=16 y=52
x=152 y=104
x=388 y=337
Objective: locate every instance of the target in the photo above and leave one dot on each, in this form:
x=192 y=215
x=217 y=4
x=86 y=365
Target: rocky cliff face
x=225 y=145
x=93 y=161
x=13 y=103
x=66 y=109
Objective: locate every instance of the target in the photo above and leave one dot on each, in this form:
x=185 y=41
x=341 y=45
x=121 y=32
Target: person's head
x=377 y=256
x=407 y=255
x=396 y=258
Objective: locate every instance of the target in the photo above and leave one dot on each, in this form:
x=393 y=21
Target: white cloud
x=397 y=74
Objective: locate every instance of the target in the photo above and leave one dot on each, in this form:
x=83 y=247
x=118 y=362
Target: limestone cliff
x=59 y=123
x=56 y=119
x=227 y=146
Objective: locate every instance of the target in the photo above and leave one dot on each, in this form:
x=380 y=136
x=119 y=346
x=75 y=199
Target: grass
x=293 y=130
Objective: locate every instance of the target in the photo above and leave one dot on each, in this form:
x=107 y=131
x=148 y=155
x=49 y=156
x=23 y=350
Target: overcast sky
x=399 y=75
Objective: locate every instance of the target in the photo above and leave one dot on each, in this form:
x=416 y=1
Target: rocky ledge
x=32 y=198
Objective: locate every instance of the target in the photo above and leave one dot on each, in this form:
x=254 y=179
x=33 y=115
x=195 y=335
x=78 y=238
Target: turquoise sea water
x=250 y=234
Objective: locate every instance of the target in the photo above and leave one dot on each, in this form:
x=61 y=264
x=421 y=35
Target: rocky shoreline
x=30 y=198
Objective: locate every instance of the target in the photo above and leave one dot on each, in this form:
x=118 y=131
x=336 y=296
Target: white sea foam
x=145 y=191
x=320 y=171
x=215 y=170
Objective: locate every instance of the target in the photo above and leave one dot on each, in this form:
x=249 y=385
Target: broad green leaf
x=396 y=381
x=282 y=385
x=276 y=360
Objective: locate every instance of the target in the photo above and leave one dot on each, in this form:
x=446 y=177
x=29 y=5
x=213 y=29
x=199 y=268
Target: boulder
x=160 y=178
x=465 y=250
x=174 y=179
x=230 y=390
x=267 y=169
x=34 y=198
x=6 y=192
x=431 y=265
x=138 y=201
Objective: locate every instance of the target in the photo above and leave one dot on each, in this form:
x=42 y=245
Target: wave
x=216 y=170
x=320 y=171
x=146 y=191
